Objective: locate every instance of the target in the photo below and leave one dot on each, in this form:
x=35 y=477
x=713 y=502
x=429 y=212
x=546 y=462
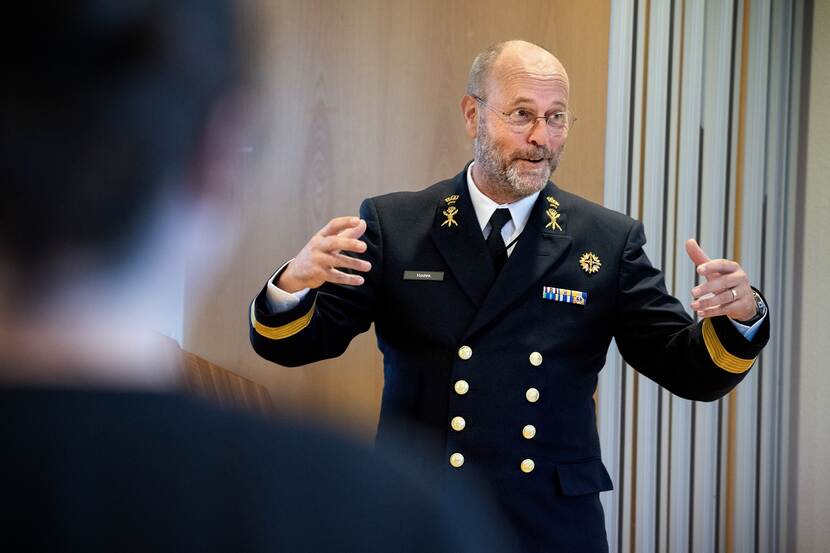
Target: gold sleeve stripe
x=718 y=353
x=283 y=331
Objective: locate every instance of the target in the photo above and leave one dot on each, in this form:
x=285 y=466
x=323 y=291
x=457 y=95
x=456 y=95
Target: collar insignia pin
x=590 y=263
x=553 y=214
x=451 y=211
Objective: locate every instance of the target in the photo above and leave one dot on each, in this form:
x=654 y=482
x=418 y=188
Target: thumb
x=695 y=252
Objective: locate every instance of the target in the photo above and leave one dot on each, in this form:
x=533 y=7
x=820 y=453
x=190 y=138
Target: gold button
x=458 y=423
x=535 y=358
x=465 y=352
x=456 y=460
x=532 y=395
x=462 y=387
x=529 y=431
x=528 y=465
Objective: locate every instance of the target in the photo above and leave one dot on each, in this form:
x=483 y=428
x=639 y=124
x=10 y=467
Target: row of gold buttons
x=526 y=466
x=465 y=352
x=529 y=431
x=458 y=423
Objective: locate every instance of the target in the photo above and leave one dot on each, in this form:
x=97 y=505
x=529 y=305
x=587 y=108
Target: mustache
x=535 y=154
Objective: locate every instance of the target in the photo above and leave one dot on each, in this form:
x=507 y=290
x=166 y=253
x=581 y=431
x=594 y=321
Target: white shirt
x=485 y=207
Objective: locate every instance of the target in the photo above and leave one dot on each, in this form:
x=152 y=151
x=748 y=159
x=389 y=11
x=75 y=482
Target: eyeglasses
x=522 y=119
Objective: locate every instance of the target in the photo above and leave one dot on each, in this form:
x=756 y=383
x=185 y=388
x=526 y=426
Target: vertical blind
x=701 y=139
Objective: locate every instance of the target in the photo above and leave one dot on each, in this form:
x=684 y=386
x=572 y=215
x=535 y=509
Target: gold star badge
x=590 y=263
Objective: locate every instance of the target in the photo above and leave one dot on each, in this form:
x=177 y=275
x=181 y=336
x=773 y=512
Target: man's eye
x=522 y=115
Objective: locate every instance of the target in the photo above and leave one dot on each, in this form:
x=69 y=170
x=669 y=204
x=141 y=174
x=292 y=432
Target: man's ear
x=469 y=107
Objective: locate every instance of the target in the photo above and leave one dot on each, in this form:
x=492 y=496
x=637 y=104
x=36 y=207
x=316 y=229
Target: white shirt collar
x=484 y=207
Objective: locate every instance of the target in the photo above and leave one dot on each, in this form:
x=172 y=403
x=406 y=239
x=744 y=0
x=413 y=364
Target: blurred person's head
x=117 y=130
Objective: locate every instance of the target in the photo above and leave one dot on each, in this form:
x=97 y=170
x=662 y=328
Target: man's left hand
x=726 y=290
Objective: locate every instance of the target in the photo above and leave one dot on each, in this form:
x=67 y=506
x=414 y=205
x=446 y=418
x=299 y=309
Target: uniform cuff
x=280 y=301
x=280 y=324
x=728 y=348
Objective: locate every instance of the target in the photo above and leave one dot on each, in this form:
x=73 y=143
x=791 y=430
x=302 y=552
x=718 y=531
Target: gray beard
x=505 y=173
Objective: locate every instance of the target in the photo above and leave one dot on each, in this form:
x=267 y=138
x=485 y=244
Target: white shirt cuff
x=280 y=301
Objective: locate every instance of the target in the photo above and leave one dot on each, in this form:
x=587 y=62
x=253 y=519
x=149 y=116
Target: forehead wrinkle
x=523 y=78
x=523 y=88
x=520 y=72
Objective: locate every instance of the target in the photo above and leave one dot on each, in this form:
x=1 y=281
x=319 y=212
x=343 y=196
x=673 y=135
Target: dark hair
x=102 y=105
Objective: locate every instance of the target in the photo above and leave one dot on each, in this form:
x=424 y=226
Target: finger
x=339 y=224
x=695 y=252
x=718 y=284
x=714 y=300
x=722 y=266
x=354 y=232
x=347 y=262
x=336 y=244
x=339 y=277
x=705 y=295
x=740 y=310
x=711 y=312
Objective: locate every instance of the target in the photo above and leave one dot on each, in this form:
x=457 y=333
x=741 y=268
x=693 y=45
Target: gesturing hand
x=320 y=260
x=726 y=290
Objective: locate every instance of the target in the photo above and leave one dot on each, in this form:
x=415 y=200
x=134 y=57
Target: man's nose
x=539 y=134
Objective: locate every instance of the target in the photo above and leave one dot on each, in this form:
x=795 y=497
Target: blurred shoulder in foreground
x=119 y=120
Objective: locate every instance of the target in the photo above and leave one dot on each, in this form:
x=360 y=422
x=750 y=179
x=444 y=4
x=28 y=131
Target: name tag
x=423 y=275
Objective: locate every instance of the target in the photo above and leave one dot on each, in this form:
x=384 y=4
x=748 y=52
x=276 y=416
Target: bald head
x=511 y=58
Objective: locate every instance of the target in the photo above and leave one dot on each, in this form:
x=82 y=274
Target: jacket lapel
x=462 y=244
x=536 y=251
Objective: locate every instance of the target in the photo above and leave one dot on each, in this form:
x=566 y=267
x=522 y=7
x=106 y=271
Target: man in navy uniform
x=495 y=295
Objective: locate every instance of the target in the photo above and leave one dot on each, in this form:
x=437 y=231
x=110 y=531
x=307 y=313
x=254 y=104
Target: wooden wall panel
x=360 y=98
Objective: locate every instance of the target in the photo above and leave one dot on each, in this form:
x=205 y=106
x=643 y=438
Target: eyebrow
x=524 y=100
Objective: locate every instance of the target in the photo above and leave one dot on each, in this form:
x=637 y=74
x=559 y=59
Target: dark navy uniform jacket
x=497 y=374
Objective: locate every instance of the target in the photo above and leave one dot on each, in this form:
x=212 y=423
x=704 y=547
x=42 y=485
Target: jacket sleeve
x=326 y=320
x=700 y=360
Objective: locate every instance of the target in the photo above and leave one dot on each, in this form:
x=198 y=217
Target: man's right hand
x=320 y=260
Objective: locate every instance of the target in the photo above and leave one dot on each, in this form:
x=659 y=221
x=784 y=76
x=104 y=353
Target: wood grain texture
x=356 y=99
x=223 y=387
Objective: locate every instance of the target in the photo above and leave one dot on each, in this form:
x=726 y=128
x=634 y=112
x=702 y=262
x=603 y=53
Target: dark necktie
x=495 y=243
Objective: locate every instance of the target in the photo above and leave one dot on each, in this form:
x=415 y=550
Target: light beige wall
x=812 y=504
x=361 y=98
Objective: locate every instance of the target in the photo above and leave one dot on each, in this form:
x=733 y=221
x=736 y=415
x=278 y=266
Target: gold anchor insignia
x=554 y=215
x=449 y=213
x=590 y=263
